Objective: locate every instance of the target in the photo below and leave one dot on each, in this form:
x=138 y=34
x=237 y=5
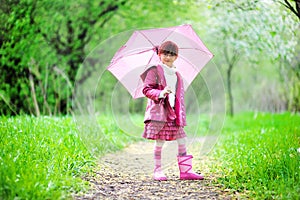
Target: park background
x=45 y=45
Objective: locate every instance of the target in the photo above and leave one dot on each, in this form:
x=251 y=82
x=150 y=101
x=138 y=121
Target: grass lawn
x=45 y=158
x=259 y=154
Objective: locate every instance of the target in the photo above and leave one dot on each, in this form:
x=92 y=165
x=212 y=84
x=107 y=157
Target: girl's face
x=167 y=58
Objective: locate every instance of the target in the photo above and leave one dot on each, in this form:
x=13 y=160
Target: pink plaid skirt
x=168 y=131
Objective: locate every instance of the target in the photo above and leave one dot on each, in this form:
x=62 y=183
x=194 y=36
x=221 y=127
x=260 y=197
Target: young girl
x=165 y=114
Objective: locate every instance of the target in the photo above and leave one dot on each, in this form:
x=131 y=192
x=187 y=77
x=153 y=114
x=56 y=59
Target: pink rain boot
x=159 y=175
x=185 y=167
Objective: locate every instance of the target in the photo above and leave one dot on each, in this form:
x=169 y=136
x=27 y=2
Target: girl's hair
x=168 y=47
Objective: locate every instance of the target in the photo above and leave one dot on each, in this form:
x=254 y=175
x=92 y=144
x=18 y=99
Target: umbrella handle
x=156 y=49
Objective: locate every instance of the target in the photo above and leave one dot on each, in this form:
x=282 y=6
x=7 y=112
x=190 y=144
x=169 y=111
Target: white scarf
x=171 y=79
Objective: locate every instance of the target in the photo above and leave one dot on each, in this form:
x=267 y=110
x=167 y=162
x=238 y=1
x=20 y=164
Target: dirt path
x=128 y=175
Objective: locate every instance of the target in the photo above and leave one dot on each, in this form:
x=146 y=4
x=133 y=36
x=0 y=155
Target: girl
x=165 y=114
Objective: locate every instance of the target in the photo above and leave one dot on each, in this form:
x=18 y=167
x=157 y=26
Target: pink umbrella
x=140 y=53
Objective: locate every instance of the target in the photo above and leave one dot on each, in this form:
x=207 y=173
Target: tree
x=17 y=30
x=43 y=45
x=78 y=22
x=245 y=30
x=292 y=74
x=288 y=4
x=147 y=14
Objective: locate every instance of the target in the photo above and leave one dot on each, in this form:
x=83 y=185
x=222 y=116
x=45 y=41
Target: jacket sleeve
x=151 y=89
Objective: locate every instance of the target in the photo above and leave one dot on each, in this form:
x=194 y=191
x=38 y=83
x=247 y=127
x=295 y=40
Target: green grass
x=45 y=158
x=257 y=155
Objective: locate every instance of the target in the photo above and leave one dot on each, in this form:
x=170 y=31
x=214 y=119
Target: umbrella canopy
x=140 y=53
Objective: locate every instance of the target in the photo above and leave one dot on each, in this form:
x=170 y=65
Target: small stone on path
x=127 y=174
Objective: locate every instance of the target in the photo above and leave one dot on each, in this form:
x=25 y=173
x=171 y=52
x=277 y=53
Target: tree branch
x=70 y=31
x=108 y=9
x=291 y=8
x=32 y=87
x=298 y=8
x=235 y=57
x=56 y=42
x=105 y=20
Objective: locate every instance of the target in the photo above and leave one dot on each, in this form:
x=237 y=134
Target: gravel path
x=127 y=174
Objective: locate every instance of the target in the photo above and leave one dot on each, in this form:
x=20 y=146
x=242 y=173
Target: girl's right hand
x=166 y=90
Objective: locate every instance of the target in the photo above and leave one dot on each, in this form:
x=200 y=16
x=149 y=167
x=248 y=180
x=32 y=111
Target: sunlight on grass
x=45 y=158
x=41 y=158
x=258 y=155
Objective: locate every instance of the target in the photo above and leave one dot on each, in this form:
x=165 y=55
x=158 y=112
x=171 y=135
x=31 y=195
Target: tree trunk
x=231 y=61
x=229 y=90
x=33 y=94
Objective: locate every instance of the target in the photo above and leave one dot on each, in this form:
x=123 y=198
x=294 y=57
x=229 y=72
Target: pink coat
x=160 y=109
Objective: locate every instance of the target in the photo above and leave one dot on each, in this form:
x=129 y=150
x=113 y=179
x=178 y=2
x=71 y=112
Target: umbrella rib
x=162 y=40
x=136 y=91
x=197 y=50
x=150 y=59
x=171 y=32
x=146 y=38
x=194 y=67
x=183 y=58
x=132 y=54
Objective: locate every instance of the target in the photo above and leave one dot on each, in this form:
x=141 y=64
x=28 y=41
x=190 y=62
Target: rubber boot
x=185 y=168
x=158 y=175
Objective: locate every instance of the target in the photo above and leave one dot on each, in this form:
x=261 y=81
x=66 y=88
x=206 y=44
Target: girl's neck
x=168 y=65
x=169 y=70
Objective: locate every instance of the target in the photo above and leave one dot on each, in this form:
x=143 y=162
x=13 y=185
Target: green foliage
x=44 y=45
x=49 y=42
x=41 y=158
x=259 y=155
x=248 y=33
x=292 y=5
x=17 y=32
x=45 y=158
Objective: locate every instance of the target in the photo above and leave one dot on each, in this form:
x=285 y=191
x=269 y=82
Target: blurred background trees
x=43 y=45
x=255 y=34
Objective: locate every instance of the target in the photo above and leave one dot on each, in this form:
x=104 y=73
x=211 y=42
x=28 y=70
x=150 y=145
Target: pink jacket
x=160 y=109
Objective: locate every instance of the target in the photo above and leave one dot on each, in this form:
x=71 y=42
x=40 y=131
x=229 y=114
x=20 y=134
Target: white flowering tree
x=292 y=78
x=249 y=30
x=292 y=5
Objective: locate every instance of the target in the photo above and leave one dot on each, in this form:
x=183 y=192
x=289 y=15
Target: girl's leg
x=181 y=146
x=185 y=162
x=157 y=154
x=158 y=174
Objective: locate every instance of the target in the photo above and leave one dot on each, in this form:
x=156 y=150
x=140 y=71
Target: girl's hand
x=167 y=90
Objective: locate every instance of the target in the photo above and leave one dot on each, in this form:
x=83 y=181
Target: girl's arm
x=150 y=89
